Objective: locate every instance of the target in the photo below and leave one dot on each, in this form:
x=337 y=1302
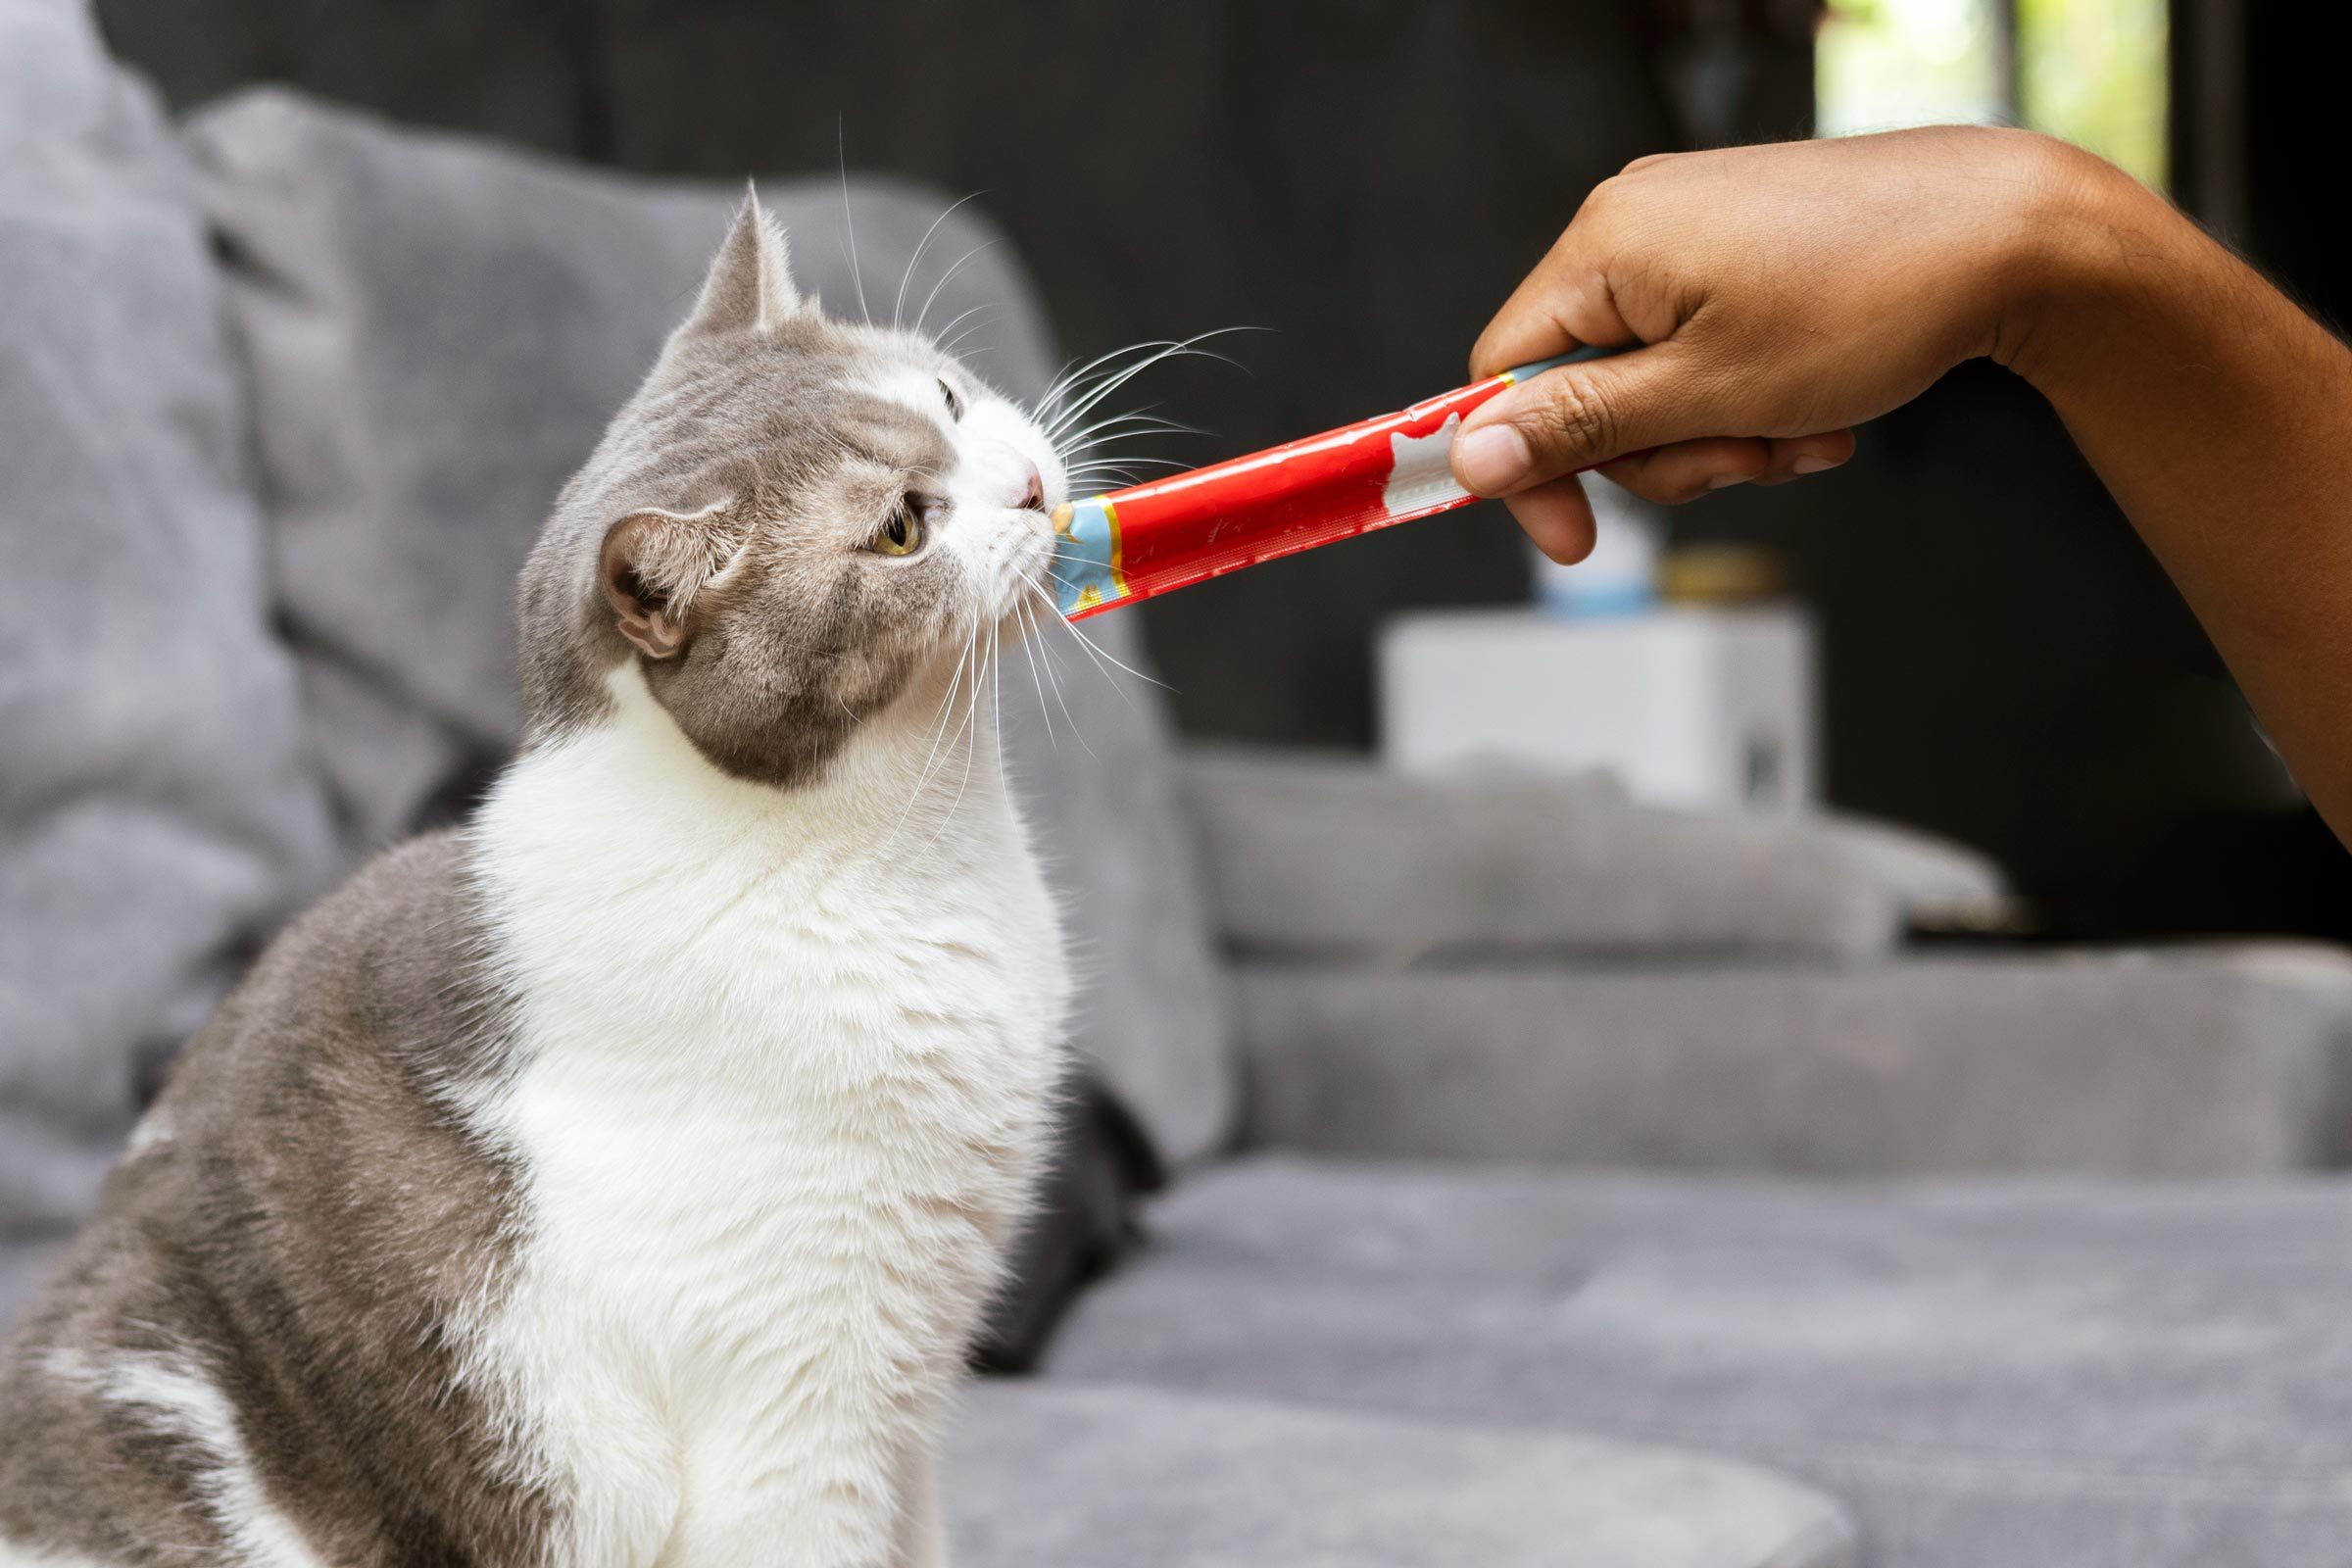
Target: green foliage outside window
x=2090 y=70
x=2094 y=72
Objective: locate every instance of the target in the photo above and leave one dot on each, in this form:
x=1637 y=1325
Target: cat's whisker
x=954 y=347
x=950 y=341
x=898 y=305
x=997 y=726
x=1053 y=411
x=943 y=280
x=1121 y=467
x=1096 y=451
x=1098 y=458
x=939 y=734
x=1069 y=377
x=1054 y=610
x=1109 y=446
x=1185 y=347
x=966 y=735
x=1029 y=652
x=931 y=758
x=1045 y=651
x=967 y=310
x=1090 y=453
x=849 y=226
x=1142 y=422
x=953 y=728
x=1089 y=645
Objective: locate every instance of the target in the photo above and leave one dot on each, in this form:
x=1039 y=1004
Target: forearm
x=2219 y=415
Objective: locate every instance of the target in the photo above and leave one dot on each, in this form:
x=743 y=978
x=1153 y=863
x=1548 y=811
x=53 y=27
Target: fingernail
x=1810 y=464
x=1493 y=459
x=1724 y=481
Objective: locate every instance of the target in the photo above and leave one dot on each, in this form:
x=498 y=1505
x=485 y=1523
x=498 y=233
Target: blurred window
x=2090 y=70
x=1882 y=63
x=2094 y=72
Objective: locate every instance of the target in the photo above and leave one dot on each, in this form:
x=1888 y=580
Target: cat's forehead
x=809 y=393
x=893 y=398
x=885 y=427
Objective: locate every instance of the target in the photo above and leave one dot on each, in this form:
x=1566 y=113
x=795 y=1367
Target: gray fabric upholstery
x=157 y=802
x=437 y=330
x=1116 y=1477
x=2035 y=1371
x=1322 y=855
x=2185 y=1062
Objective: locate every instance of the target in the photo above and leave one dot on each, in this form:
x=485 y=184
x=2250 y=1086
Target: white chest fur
x=784 y=1063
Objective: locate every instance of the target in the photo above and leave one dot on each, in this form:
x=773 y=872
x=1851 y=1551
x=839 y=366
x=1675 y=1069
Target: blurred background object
x=2094 y=72
x=2000 y=660
x=1696 y=706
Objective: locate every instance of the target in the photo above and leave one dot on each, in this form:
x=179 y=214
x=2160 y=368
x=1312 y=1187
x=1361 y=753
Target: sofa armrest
x=2185 y=1062
x=1308 y=853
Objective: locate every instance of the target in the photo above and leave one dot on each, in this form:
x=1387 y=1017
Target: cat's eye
x=954 y=402
x=902 y=534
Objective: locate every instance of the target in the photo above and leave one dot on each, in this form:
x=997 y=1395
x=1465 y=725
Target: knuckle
x=1575 y=419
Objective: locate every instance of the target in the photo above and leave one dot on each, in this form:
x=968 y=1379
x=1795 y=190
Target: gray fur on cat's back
x=302 y=1217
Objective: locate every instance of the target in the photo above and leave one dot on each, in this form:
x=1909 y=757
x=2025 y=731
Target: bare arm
x=1787 y=294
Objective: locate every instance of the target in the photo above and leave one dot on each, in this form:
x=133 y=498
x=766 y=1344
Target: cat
x=619 y=1179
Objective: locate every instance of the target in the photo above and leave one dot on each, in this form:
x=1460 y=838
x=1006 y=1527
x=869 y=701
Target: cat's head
x=795 y=522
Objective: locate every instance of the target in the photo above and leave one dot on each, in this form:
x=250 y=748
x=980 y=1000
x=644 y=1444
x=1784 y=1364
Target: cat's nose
x=1033 y=489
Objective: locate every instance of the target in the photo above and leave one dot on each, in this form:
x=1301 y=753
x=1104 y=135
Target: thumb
x=1578 y=416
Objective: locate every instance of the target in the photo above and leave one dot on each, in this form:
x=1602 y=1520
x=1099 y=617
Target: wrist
x=2086 y=243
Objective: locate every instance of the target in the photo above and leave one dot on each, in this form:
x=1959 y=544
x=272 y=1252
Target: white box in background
x=1696 y=708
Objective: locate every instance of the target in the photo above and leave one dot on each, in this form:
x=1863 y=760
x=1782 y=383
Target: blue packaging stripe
x=1086 y=563
x=1524 y=373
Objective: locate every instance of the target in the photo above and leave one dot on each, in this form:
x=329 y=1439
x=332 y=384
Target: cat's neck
x=919 y=791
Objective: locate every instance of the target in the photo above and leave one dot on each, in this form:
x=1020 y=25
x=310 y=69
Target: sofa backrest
x=157 y=806
x=436 y=330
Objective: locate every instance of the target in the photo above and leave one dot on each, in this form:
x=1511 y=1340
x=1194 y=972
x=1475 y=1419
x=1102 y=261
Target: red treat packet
x=1153 y=538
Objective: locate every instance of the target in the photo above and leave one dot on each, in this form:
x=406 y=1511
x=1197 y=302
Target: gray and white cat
x=620 y=1180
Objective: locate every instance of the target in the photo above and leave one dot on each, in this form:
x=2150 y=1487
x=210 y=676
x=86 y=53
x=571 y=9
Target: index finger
x=1563 y=304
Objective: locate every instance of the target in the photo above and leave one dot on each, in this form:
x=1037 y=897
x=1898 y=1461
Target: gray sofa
x=1556 y=1181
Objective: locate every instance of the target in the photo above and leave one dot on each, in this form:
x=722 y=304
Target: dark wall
x=1367 y=179
x=2298 y=223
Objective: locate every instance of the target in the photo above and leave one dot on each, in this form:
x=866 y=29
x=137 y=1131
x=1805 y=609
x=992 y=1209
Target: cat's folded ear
x=652 y=564
x=750 y=285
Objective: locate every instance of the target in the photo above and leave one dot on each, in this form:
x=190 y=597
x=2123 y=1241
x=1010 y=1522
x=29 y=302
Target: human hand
x=1781 y=295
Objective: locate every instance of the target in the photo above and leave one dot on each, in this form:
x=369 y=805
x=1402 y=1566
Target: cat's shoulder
x=401 y=919
x=386 y=977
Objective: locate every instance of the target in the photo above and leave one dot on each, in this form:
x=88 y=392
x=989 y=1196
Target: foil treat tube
x=1151 y=539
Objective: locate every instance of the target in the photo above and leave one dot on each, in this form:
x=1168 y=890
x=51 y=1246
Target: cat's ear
x=652 y=564
x=750 y=285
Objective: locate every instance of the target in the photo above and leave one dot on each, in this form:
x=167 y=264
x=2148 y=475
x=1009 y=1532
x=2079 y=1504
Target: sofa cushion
x=2056 y=1370
x=1117 y=1476
x=1326 y=855
x=438 y=330
x=158 y=807
x=2182 y=1061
